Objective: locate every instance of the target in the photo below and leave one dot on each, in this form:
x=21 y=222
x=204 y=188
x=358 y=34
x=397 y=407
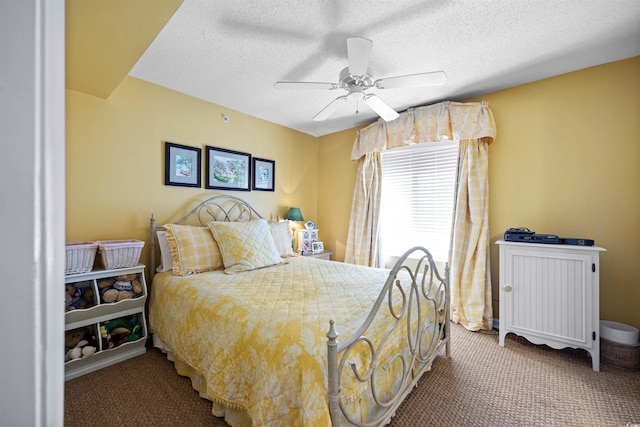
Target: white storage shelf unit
x=98 y=312
x=550 y=294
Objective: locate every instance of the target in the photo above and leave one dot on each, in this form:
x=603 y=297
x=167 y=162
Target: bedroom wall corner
x=337 y=177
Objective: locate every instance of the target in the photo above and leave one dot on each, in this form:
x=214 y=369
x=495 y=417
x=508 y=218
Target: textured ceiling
x=231 y=52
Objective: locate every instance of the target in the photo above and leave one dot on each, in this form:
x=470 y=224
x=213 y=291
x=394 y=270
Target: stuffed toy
x=119 y=331
x=79 y=344
x=73 y=337
x=78 y=297
x=114 y=289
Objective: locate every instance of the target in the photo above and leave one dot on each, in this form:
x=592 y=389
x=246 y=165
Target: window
x=418 y=185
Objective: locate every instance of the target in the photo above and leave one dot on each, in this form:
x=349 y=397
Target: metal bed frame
x=418 y=351
x=216 y=208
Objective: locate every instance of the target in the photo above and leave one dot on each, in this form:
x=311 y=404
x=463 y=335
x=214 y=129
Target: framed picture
x=181 y=165
x=264 y=174
x=227 y=169
x=317 y=247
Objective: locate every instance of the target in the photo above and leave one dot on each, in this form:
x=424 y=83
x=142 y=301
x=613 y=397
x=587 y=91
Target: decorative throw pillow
x=281 y=233
x=193 y=249
x=245 y=245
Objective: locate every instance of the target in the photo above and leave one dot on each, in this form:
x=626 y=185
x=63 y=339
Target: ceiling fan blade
x=359 y=53
x=435 y=78
x=326 y=111
x=305 y=86
x=381 y=108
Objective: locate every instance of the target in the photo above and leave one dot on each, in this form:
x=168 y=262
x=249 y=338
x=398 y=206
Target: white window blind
x=418 y=185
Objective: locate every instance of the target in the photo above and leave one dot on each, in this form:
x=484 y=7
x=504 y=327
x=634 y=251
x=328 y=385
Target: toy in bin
x=125 y=286
x=79 y=344
x=119 y=331
x=77 y=297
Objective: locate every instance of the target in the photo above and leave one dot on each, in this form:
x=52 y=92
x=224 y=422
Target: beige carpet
x=482 y=384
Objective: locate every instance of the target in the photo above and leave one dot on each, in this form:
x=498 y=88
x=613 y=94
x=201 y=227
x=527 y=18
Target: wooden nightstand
x=322 y=255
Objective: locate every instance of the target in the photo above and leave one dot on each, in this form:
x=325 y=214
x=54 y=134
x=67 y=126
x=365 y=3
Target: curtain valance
x=431 y=123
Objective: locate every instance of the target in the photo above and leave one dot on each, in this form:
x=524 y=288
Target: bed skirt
x=235 y=417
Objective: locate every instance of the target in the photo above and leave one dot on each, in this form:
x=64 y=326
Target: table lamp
x=294 y=214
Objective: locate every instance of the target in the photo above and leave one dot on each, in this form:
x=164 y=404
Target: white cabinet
x=113 y=323
x=549 y=294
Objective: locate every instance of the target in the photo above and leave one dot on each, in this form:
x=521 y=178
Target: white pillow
x=281 y=233
x=166 y=259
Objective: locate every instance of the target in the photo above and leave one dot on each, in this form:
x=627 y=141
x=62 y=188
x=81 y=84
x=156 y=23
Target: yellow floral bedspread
x=258 y=338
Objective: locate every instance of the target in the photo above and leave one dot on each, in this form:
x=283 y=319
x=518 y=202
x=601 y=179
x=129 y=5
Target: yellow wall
x=336 y=179
x=115 y=160
x=566 y=161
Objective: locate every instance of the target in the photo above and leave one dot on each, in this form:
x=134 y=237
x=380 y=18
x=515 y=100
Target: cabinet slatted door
x=550 y=295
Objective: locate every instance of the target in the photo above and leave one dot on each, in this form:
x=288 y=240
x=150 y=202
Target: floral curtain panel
x=471 y=123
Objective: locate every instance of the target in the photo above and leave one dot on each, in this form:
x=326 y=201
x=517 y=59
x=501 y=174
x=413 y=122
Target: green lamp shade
x=294 y=214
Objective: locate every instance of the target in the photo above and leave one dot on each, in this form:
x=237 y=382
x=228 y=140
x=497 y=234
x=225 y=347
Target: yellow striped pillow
x=193 y=249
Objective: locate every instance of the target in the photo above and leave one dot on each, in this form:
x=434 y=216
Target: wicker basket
x=618 y=355
x=80 y=257
x=120 y=253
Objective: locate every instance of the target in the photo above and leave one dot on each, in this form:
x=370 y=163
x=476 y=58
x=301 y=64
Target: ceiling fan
x=357 y=78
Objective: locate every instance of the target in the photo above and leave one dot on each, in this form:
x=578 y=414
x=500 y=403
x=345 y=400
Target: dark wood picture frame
x=227 y=169
x=182 y=165
x=264 y=174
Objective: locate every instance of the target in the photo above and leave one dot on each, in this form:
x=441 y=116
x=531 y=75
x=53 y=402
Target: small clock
x=309 y=225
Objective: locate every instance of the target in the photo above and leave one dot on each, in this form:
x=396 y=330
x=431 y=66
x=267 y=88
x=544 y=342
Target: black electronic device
x=532 y=238
x=523 y=234
x=576 y=242
x=519 y=230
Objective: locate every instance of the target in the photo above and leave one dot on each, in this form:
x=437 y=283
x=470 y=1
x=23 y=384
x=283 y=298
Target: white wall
x=32 y=143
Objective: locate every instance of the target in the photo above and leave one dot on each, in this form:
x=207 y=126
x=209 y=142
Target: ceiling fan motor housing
x=348 y=81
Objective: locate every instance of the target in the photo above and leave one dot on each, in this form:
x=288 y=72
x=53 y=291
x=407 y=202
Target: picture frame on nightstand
x=317 y=247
